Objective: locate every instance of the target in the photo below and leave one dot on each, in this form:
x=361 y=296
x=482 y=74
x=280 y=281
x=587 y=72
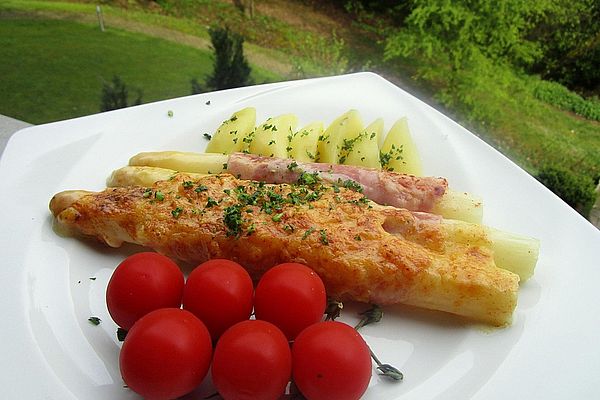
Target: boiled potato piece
x=363 y=150
x=303 y=145
x=346 y=125
x=399 y=152
x=230 y=136
x=271 y=138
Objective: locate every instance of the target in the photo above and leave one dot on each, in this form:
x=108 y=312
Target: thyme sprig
x=370 y=316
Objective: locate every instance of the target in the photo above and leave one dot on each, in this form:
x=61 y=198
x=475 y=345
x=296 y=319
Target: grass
x=77 y=58
x=502 y=107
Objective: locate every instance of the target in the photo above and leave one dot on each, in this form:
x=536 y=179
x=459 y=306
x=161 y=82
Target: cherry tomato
x=166 y=354
x=291 y=296
x=252 y=361
x=142 y=283
x=331 y=361
x=219 y=292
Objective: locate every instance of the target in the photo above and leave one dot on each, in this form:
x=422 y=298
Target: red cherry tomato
x=142 y=283
x=219 y=292
x=166 y=354
x=331 y=361
x=291 y=296
x=252 y=361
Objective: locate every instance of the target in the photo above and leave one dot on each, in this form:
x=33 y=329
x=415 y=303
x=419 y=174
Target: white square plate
x=50 y=285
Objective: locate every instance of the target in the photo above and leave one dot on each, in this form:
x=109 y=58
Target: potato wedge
x=399 y=152
x=272 y=137
x=346 y=125
x=363 y=150
x=232 y=135
x=304 y=143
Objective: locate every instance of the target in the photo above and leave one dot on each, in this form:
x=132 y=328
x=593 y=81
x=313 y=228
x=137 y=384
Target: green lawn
x=55 y=69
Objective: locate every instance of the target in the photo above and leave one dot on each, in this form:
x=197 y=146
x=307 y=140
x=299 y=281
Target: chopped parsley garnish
x=147 y=193
x=395 y=154
x=277 y=217
x=188 y=184
x=232 y=216
x=94 y=320
x=201 y=188
x=357 y=237
x=352 y=185
x=176 y=212
x=308 y=179
x=308 y=232
x=210 y=202
x=323 y=237
x=207 y=136
x=159 y=195
x=292 y=166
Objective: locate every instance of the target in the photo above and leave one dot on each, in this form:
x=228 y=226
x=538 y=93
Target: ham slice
x=383 y=187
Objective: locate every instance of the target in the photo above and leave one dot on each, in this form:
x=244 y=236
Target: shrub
x=115 y=95
x=561 y=97
x=578 y=191
x=230 y=67
x=319 y=56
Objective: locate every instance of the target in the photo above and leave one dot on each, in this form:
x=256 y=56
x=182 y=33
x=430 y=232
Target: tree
x=570 y=40
x=115 y=95
x=458 y=30
x=230 y=67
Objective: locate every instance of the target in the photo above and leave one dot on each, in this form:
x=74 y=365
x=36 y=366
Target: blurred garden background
x=524 y=76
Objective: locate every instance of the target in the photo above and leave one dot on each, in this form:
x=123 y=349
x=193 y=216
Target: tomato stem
x=333 y=310
x=121 y=334
x=373 y=314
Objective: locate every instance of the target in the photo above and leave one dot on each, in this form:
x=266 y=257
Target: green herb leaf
x=277 y=217
x=176 y=212
x=232 y=217
x=323 y=237
x=210 y=202
x=94 y=320
x=308 y=232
